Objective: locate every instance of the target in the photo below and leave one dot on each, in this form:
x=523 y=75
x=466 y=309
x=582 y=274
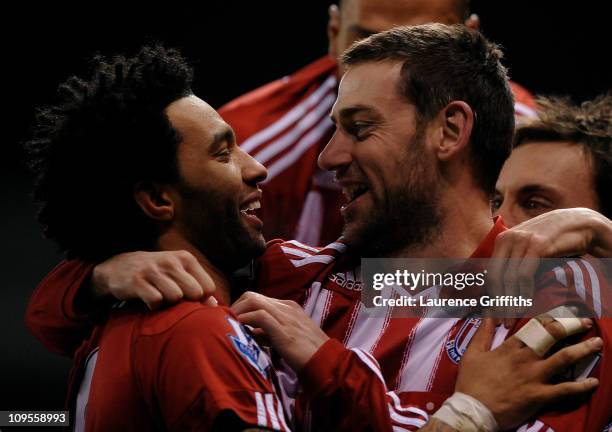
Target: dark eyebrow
x=346 y=113
x=536 y=188
x=225 y=135
x=361 y=31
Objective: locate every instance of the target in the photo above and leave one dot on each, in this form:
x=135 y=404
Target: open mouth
x=353 y=192
x=248 y=212
x=249 y=208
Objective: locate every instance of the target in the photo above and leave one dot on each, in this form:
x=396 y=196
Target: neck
x=466 y=220
x=172 y=240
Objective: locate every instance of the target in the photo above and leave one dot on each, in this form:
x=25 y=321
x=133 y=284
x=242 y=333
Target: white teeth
x=251 y=206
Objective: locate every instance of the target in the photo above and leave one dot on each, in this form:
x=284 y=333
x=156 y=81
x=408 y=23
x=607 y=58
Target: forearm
x=602 y=245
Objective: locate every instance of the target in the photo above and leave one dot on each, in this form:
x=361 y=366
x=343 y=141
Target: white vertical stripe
x=311 y=220
x=311 y=299
x=300 y=148
x=261 y=410
x=500 y=336
x=595 y=289
x=560 y=275
x=290 y=117
x=290 y=138
x=84 y=389
x=281 y=414
x=366 y=331
x=399 y=429
x=578 y=279
x=429 y=338
x=272 y=411
x=320 y=307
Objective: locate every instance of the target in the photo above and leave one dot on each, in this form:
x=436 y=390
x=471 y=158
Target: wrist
x=466 y=414
x=601 y=228
x=98 y=283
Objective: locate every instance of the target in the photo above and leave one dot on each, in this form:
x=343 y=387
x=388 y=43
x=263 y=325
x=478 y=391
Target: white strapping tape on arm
x=466 y=414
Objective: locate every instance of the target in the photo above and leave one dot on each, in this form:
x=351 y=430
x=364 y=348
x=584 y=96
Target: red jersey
x=375 y=373
x=398 y=371
x=187 y=367
x=285 y=125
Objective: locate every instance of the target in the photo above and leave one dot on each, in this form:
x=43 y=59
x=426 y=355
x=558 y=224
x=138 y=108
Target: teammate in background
x=131 y=159
x=562 y=159
x=285 y=124
x=435 y=143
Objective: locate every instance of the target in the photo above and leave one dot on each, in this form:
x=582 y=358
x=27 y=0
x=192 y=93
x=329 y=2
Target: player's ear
x=454 y=129
x=333 y=29
x=156 y=200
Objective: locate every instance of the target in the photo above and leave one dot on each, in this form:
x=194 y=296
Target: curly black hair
x=107 y=133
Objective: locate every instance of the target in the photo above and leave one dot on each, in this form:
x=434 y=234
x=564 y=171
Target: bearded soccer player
x=131 y=159
x=285 y=124
x=381 y=131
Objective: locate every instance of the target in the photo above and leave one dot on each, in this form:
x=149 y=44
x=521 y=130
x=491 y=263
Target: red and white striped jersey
x=285 y=125
x=398 y=371
x=184 y=368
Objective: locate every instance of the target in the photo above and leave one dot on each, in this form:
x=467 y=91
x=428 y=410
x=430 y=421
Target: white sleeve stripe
x=366 y=359
x=340 y=247
x=304 y=144
x=303 y=246
x=560 y=275
x=290 y=117
x=296 y=252
x=398 y=407
x=281 y=415
x=288 y=139
x=323 y=259
x=271 y=411
x=397 y=418
x=595 y=290
x=261 y=410
x=578 y=279
x=399 y=429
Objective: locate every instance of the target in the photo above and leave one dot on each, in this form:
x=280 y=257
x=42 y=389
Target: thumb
x=483 y=338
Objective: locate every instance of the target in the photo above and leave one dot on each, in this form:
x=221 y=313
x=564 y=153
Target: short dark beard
x=212 y=225
x=409 y=217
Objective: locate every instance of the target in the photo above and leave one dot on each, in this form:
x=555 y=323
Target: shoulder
x=185 y=316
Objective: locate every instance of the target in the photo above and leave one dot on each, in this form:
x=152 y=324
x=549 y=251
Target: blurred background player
x=560 y=160
x=285 y=124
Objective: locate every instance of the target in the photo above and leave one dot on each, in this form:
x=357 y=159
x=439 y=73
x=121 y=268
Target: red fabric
x=176 y=369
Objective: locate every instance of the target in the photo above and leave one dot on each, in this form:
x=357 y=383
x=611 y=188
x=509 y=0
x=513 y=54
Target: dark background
x=557 y=48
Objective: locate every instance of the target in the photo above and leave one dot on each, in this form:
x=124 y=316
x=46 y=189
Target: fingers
x=169 y=289
x=483 y=338
x=205 y=284
x=262 y=320
x=568 y=356
x=571 y=388
x=151 y=296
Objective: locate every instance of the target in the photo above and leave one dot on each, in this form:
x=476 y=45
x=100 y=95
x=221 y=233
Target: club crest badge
x=459 y=340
